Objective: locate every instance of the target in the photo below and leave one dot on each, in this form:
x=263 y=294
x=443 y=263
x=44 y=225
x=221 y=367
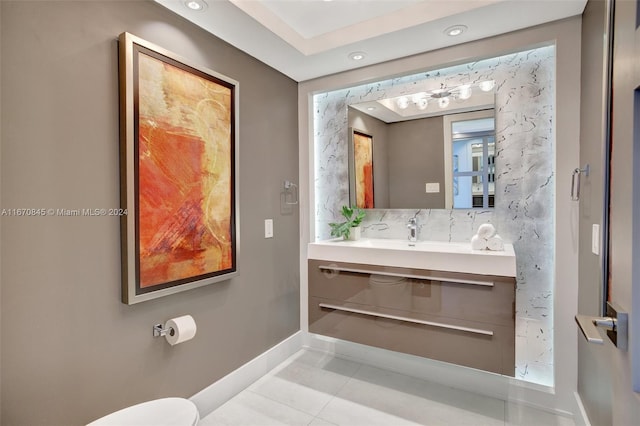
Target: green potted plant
x=349 y=229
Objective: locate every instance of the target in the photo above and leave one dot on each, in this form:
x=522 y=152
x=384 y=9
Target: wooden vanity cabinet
x=464 y=319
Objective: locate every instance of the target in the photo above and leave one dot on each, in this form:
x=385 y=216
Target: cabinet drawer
x=487 y=299
x=486 y=347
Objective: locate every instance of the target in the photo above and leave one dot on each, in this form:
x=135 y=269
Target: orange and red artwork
x=185 y=173
x=363 y=169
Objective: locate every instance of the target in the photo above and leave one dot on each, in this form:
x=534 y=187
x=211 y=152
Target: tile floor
x=318 y=389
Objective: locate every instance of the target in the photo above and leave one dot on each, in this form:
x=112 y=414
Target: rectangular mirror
x=433 y=150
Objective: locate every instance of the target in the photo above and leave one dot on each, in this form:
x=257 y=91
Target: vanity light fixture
x=443 y=96
x=357 y=56
x=464 y=91
x=487 y=85
x=416 y=97
x=455 y=30
x=403 y=102
x=196 y=5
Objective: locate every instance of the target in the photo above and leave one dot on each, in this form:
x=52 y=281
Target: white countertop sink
x=432 y=255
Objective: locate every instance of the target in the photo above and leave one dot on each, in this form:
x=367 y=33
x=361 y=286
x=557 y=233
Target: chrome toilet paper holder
x=160 y=331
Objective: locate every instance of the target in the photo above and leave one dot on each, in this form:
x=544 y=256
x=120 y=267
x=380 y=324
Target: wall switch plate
x=595 y=239
x=432 y=187
x=268 y=228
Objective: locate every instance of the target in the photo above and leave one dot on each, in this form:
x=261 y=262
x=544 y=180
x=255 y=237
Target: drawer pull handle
x=396 y=274
x=405 y=319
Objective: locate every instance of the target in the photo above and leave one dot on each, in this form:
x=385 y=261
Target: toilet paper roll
x=180 y=329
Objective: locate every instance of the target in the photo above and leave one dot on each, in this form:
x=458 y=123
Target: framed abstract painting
x=361 y=169
x=178 y=172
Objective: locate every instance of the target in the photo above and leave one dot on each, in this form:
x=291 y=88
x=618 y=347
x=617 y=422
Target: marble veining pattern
x=525 y=179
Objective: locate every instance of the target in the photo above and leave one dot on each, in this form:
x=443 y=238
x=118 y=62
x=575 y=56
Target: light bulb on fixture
x=403 y=102
x=417 y=97
x=464 y=92
x=422 y=103
x=443 y=102
x=487 y=85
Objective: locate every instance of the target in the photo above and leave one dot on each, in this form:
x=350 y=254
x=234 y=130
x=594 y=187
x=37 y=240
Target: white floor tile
x=343 y=412
x=317 y=389
x=307 y=381
x=320 y=422
x=250 y=409
x=520 y=415
x=379 y=393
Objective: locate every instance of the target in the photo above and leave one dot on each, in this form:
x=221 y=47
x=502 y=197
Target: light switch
x=268 y=228
x=595 y=239
x=432 y=187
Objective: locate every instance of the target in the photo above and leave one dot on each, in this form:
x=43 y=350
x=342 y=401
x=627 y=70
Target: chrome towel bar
x=405 y=319
x=334 y=268
x=575 y=176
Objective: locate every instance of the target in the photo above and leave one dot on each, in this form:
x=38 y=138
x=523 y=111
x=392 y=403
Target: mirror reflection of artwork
x=362 y=192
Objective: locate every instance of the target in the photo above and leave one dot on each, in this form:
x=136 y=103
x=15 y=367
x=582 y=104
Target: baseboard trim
x=580 y=417
x=216 y=394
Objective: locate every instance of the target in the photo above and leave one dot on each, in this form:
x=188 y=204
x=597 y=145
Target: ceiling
x=305 y=39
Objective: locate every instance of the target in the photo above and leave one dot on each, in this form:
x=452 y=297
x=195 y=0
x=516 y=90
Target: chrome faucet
x=413 y=229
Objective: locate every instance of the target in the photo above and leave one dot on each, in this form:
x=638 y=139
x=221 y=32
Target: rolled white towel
x=478 y=243
x=486 y=231
x=495 y=243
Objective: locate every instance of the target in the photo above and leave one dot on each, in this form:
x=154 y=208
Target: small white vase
x=354 y=233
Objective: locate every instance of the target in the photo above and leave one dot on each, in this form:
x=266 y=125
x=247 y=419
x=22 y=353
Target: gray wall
x=417 y=157
x=609 y=378
x=71 y=351
x=594 y=379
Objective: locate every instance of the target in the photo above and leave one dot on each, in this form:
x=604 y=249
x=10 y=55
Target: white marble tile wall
x=525 y=150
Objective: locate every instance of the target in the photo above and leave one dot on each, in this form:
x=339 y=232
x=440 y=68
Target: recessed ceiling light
x=368 y=108
x=197 y=5
x=455 y=30
x=357 y=56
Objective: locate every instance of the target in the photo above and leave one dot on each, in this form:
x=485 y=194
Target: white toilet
x=159 y=412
